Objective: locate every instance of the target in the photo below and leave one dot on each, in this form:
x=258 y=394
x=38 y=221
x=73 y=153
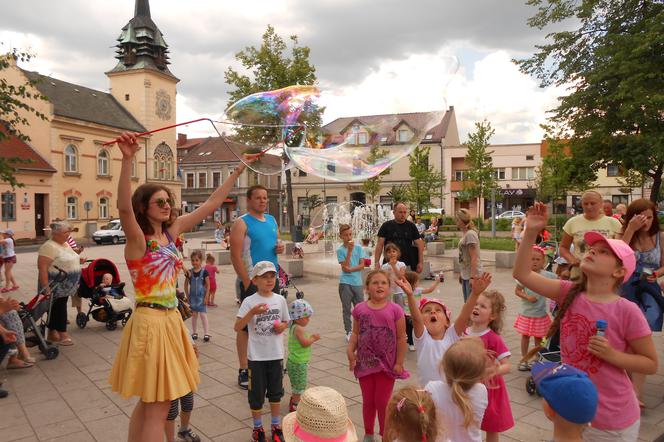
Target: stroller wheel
x=81 y=320
x=530 y=386
x=284 y=293
x=112 y=325
x=299 y=294
x=50 y=352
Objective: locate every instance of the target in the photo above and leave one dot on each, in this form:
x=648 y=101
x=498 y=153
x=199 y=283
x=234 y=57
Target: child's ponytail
x=460 y=397
x=411 y=416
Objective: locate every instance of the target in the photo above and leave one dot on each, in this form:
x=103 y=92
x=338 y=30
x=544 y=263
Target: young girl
x=410 y=417
x=625 y=345
x=431 y=327
x=486 y=323
x=299 y=349
x=533 y=320
x=414 y=281
x=377 y=349
x=517 y=228
x=212 y=271
x=462 y=398
x=9 y=258
x=397 y=270
x=197 y=287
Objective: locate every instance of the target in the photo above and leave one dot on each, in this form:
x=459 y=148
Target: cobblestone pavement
x=68 y=399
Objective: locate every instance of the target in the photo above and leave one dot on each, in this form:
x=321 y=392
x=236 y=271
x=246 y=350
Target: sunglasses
x=161 y=202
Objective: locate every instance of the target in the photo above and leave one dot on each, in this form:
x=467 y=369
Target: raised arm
x=135 y=246
x=478 y=285
x=564 y=249
x=238 y=231
x=380 y=243
x=415 y=314
x=537 y=218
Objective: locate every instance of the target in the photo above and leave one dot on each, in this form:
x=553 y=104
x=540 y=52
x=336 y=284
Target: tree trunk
x=656 y=183
x=289 y=199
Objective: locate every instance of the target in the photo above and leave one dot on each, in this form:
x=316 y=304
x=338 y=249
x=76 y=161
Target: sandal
x=66 y=342
x=206 y=338
x=20 y=364
x=29 y=360
x=194 y=336
x=13 y=288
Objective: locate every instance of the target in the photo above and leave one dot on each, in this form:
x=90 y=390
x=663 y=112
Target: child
x=486 y=323
x=414 y=281
x=299 y=349
x=377 y=349
x=397 y=270
x=626 y=344
x=533 y=320
x=185 y=402
x=197 y=288
x=350 y=281
x=410 y=417
x=265 y=314
x=569 y=399
x=462 y=398
x=517 y=228
x=431 y=327
x=212 y=271
x=9 y=259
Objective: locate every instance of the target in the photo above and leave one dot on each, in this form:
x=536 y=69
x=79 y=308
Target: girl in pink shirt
x=605 y=354
x=212 y=271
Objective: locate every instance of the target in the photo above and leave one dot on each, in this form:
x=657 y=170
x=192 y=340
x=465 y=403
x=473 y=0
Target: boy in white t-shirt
x=266 y=315
x=431 y=327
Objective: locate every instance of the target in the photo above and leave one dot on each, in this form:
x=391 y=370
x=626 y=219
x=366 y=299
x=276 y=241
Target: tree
x=311 y=202
x=424 y=179
x=272 y=69
x=558 y=173
x=631 y=180
x=480 y=177
x=612 y=64
x=14 y=105
x=398 y=193
x=371 y=187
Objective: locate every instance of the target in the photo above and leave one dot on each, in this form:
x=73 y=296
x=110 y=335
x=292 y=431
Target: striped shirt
x=72 y=242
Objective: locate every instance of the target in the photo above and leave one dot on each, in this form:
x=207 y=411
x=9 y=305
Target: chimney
x=182 y=139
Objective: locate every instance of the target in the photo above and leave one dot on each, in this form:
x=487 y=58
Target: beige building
x=83 y=184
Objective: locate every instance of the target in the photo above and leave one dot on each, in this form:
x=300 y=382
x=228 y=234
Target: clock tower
x=142 y=83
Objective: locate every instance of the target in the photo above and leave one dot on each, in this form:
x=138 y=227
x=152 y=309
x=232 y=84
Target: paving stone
x=110 y=429
x=58 y=429
x=212 y=423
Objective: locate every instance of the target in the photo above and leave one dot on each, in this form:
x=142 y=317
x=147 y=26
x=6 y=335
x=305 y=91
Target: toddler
x=299 y=349
x=212 y=271
x=197 y=287
x=397 y=270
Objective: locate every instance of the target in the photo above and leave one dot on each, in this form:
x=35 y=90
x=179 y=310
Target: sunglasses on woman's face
x=161 y=202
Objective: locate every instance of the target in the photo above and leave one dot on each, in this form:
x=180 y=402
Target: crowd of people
x=604 y=296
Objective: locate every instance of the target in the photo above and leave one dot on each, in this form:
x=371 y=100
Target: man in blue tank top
x=254 y=238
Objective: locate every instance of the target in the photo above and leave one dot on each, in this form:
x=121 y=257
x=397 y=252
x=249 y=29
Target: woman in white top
x=9 y=258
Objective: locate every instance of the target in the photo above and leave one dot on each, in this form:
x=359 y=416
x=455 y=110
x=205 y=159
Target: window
x=331 y=167
x=71 y=162
x=202 y=180
x=363 y=138
x=459 y=175
x=523 y=173
x=102 y=163
x=216 y=179
x=330 y=200
x=301 y=201
x=72 y=207
x=530 y=157
x=163 y=162
x=103 y=208
x=620 y=199
x=612 y=170
x=386 y=200
x=190 y=181
x=403 y=135
x=9 y=206
x=499 y=173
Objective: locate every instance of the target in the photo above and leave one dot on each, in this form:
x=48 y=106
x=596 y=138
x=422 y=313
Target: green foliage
x=480 y=177
x=398 y=193
x=425 y=180
x=371 y=187
x=559 y=173
x=632 y=179
x=311 y=202
x=13 y=109
x=612 y=64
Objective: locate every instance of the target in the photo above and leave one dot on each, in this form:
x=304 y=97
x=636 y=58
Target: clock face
x=163 y=105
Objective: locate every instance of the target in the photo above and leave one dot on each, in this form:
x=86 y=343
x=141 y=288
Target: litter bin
x=296 y=234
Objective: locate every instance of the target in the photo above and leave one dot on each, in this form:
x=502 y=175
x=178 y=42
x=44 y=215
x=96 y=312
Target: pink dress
x=212 y=271
x=498 y=413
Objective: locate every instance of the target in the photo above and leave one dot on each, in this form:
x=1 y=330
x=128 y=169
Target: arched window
x=72 y=207
x=71 y=161
x=103 y=208
x=103 y=163
x=163 y=162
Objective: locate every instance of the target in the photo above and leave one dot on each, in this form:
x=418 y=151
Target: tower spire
x=142 y=8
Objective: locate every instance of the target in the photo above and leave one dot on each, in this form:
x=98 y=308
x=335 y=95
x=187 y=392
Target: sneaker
x=348 y=335
x=243 y=378
x=194 y=336
x=277 y=434
x=188 y=435
x=258 y=435
x=3 y=393
x=411 y=347
x=206 y=338
x=524 y=366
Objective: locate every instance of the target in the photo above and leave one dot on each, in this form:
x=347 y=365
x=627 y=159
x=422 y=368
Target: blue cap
x=569 y=391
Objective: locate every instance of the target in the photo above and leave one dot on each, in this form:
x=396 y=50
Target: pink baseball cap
x=620 y=248
x=425 y=301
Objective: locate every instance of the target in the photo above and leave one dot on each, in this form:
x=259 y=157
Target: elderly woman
x=10 y=320
x=56 y=252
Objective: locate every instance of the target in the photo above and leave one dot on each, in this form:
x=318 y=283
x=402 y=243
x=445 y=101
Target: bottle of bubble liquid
x=601 y=325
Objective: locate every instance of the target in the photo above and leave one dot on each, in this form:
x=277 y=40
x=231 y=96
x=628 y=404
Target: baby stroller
x=107 y=304
x=34 y=311
x=285 y=282
x=551 y=253
x=549 y=353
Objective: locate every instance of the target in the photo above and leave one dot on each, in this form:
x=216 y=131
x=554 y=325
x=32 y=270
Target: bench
x=435 y=248
x=207 y=242
x=294 y=267
x=221 y=257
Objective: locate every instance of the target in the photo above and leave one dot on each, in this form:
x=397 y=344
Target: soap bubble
x=268 y=122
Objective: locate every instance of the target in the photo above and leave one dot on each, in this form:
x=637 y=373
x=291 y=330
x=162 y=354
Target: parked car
x=509 y=214
x=110 y=233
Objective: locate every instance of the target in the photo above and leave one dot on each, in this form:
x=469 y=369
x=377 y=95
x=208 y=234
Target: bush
x=504 y=225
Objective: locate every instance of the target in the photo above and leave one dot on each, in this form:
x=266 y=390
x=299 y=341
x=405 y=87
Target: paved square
x=69 y=399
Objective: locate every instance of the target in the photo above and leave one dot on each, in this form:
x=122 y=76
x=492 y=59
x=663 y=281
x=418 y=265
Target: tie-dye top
x=155 y=274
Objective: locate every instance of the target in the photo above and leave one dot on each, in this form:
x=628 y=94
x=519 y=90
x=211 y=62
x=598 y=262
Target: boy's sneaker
x=524 y=366
x=277 y=434
x=188 y=435
x=258 y=435
x=348 y=335
x=411 y=347
x=243 y=378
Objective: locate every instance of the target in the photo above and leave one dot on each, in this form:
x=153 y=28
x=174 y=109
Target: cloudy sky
x=372 y=56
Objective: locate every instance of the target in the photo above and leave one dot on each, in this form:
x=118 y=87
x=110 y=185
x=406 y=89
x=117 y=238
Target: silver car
x=509 y=214
x=110 y=233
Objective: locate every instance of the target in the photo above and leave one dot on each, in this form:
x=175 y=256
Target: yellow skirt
x=156 y=360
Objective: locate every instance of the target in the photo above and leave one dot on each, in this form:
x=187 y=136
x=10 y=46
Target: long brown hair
x=411 y=416
x=464 y=365
x=498 y=307
x=140 y=201
x=637 y=207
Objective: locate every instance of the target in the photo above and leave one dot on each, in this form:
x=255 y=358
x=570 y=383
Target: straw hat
x=321 y=416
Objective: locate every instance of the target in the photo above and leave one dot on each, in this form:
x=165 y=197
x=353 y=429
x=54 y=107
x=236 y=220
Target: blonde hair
x=412 y=278
x=464 y=364
x=392 y=246
x=498 y=308
x=343 y=228
x=464 y=216
x=411 y=416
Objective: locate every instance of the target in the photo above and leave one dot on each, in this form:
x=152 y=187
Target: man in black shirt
x=404 y=235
